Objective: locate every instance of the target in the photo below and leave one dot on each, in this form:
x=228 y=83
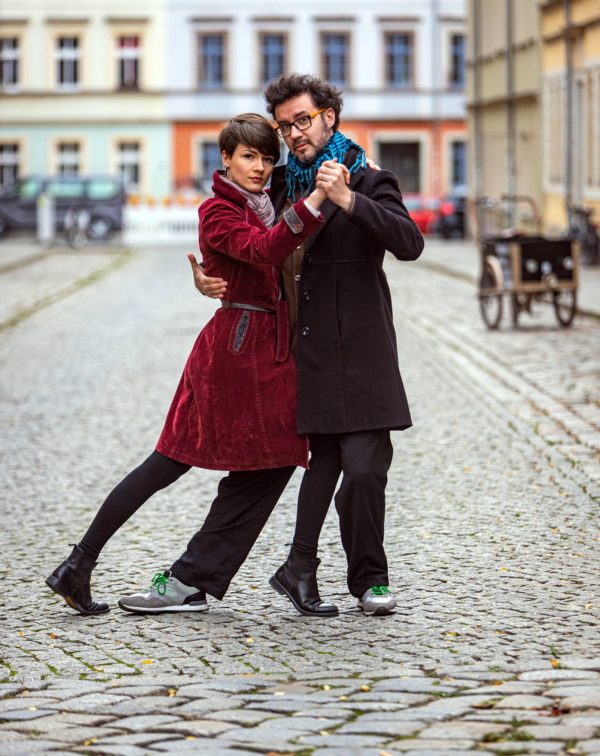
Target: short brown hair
x=252 y=130
x=323 y=94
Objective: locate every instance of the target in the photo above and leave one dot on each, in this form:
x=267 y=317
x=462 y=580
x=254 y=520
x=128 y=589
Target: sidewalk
x=461 y=258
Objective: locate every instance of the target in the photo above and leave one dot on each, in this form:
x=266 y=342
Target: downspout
x=569 y=104
x=478 y=146
x=510 y=113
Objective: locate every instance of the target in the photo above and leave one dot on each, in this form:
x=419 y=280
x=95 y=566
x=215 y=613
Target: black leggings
x=155 y=473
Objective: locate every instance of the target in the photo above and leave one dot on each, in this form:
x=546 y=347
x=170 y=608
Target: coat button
x=305 y=296
x=305 y=331
x=297 y=277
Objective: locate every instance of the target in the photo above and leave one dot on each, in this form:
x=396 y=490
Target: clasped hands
x=333 y=179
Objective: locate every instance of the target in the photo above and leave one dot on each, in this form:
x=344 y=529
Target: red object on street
x=423 y=210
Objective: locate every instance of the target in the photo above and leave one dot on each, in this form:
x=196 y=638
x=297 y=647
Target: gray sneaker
x=166 y=594
x=377 y=600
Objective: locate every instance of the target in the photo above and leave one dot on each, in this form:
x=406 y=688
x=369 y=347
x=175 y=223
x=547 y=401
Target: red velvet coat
x=235 y=406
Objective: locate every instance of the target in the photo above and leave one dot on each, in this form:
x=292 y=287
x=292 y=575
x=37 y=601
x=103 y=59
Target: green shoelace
x=380 y=590
x=159 y=581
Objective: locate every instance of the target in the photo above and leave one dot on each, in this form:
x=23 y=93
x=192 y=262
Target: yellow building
x=534 y=120
x=570 y=54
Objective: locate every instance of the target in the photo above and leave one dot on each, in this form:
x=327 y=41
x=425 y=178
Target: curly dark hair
x=323 y=94
x=252 y=130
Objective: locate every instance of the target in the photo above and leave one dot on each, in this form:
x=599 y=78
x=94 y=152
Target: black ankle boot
x=71 y=580
x=297 y=579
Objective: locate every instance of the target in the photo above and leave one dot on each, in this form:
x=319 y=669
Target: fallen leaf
x=588 y=606
x=279 y=693
x=503 y=569
x=484 y=705
x=90 y=741
x=21 y=634
x=326 y=687
x=147 y=661
x=365 y=688
x=555 y=663
x=52 y=635
x=172 y=692
x=250 y=640
x=343 y=698
x=324 y=733
x=190 y=737
x=32 y=708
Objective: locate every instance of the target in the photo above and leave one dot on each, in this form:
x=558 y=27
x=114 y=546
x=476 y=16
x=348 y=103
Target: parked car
x=450 y=219
x=100 y=196
x=423 y=210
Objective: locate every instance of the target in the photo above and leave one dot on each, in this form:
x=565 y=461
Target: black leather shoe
x=71 y=580
x=297 y=579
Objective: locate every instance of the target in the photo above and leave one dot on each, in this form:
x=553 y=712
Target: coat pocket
x=239 y=336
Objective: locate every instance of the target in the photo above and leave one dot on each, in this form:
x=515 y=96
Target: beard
x=318 y=146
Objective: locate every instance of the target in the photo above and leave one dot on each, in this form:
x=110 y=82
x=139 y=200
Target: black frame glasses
x=301 y=123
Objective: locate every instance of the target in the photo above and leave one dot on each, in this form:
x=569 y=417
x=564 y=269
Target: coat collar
x=225 y=190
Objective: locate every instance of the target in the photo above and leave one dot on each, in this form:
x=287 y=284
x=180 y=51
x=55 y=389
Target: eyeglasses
x=302 y=123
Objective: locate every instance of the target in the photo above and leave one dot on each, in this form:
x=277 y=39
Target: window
x=272 y=56
x=69 y=189
x=457 y=61
x=335 y=49
x=128 y=165
x=209 y=162
x=9 y=163
x=554 y=110
x=458 y=160
x=592 y=126
x=67 y=63
x=211 y=68
x=128 y=62
x=399 y=59
x=9 y=62
x=69 y=159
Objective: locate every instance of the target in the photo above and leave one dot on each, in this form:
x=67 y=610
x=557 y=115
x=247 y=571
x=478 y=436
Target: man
x=350 y=393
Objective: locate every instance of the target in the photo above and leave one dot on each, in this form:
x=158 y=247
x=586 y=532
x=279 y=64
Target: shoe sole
x=162 y=609
x=381 y=611
x=276 y=586
x=51 y=583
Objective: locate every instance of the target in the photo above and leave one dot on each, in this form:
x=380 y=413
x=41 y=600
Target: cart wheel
x=490 y=304
x=565 y=306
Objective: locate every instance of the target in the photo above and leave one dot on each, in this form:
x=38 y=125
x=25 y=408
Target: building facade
x=143 y=87
x=400 y=65
x=82 y=90
x=533 y=101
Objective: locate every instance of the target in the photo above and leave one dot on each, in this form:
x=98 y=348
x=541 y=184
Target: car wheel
x=99 y=228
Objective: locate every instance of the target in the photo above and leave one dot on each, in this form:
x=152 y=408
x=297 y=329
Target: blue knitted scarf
x=300 y=177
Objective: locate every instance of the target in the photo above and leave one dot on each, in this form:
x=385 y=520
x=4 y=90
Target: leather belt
x=241 y=306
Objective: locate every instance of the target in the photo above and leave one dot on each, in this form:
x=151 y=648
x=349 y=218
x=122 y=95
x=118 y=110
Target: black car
x=101 y=196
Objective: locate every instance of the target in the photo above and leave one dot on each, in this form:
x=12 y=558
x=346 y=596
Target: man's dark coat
x=348 y=375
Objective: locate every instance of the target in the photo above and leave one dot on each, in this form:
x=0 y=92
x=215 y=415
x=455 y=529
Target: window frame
x=456 y=86
x=121 y=57
x=119 y=139
x=199 y=37
x=58 y=58
x=17 y=60
x=5 y=142
x=262 y=33
x=347 y=34
x=411 y=84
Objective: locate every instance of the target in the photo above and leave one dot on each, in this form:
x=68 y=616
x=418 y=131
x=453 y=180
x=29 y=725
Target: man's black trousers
x=364 y=459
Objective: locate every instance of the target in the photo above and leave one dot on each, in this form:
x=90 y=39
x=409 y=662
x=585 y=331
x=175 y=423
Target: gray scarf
x=260 y=202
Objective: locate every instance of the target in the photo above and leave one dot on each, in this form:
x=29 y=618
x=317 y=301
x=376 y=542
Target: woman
x=235 y=406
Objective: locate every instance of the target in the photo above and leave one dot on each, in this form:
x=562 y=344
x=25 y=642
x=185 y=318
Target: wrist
x=348 y=204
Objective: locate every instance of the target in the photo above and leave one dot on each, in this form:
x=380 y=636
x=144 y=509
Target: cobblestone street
x=492 y=534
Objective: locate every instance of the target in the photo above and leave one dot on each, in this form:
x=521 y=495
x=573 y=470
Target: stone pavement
x=492 y=535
